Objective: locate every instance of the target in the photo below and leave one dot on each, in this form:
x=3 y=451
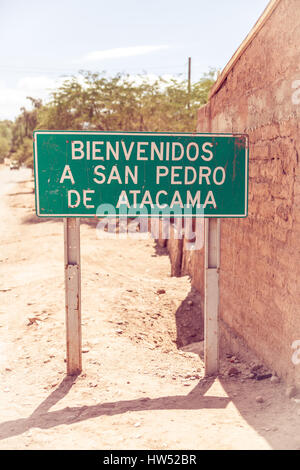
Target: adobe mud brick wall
x=260 y=255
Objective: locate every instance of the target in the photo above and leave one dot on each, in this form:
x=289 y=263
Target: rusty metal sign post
x=73 y=294
x=159 y=175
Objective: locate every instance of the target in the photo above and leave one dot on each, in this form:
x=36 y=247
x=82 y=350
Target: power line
x=63 y=70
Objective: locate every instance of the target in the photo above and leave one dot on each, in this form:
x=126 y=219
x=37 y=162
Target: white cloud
x=151 y=78
x=13 y=98
x=36 y=84
x=40 y=86
x=120 y=52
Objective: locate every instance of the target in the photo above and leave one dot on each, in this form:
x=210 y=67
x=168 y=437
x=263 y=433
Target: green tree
x=5 y=138
x=4 y=148
x=24 y=153
x=97 y=102
x=22 y=130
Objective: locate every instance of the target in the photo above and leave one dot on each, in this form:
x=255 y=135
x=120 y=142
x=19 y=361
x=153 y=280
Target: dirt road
x=138 y=390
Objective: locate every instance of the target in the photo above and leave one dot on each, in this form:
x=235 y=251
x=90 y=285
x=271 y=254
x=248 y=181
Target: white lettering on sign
x=113 y=151
x=98 y=173
x=74 y=198
x=161 y=171
x=207 y=144
x=87 y=198
x=222 y=170
x=180 y=155
x=141 y=151
x=204 y=172
x=130 y=175
x=159 y=152
x=134 y=199
x=77 y=147
x=71 y=194
x=173 y=175
x=98 y=150
x=189 y=175
x=189 y=155
x=170 y=175
x=188 y=170
x=157 y=199
x=67 y=174
x=127 y=153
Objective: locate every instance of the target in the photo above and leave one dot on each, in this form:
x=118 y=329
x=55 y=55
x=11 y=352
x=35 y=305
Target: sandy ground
x=138 y=389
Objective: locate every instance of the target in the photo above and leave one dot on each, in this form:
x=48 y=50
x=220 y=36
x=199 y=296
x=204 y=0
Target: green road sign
x=87 y=174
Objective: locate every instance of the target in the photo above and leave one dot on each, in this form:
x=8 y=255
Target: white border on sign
x=36 y=133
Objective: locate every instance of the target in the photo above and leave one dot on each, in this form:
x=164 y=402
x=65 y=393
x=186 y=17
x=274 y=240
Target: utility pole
x=189 y=75
x=189 y=79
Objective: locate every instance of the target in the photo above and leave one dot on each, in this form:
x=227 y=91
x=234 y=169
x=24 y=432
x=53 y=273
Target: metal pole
x=211 y=301
x=189 y=79
x=189 y=75
x=73 y=294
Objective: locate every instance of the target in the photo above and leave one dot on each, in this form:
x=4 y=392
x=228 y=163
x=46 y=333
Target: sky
x=43 y=42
